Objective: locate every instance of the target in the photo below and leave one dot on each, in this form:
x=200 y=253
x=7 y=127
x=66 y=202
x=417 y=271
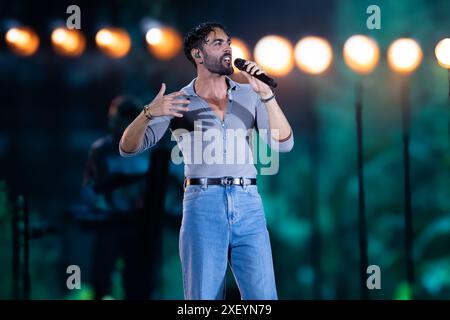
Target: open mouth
x=227 y=59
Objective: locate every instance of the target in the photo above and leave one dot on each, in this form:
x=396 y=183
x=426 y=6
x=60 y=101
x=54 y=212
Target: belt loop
x=243 y=184
x=184 y=184
x=205 y=183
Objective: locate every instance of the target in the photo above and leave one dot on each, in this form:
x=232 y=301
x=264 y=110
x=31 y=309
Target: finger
x=176 y=114
x=175 y=94
x=179 y=108
x=182 y=107
x=162 y=90
x=258 y=69
x=179 y=101
x=255 y=70
x=249 y=67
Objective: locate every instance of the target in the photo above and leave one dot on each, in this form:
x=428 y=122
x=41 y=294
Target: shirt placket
x=224 y=122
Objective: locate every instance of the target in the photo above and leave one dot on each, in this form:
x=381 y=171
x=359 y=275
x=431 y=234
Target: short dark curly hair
x=195 y=38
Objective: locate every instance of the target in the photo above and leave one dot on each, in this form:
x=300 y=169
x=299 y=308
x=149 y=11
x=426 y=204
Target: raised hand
x=258 y=86
x=168 y=105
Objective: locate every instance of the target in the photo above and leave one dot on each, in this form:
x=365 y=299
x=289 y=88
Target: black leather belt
x=224 y=181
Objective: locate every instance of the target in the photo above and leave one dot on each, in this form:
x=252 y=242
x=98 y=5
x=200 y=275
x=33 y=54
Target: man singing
x=223 y=216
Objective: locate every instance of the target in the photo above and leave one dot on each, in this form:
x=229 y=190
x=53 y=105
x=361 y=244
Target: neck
x=210 y=85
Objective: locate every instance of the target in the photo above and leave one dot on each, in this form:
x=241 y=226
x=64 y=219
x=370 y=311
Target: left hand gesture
x=258 y=86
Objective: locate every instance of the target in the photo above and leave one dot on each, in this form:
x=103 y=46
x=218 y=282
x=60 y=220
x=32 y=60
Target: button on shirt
x=211 y=147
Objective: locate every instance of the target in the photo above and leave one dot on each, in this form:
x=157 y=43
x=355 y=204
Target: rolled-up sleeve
x=262 y=124
x=153 y=133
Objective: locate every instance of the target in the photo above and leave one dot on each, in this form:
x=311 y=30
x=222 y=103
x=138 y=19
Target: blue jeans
x=224 y=224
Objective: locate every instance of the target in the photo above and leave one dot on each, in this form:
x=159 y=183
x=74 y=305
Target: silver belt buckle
x=227 y=181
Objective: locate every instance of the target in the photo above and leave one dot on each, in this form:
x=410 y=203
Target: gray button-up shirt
x=211 y=147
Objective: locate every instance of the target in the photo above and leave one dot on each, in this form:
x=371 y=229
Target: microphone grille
x=239 y=63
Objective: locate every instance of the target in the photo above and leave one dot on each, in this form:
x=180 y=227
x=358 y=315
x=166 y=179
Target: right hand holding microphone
x=168 y=105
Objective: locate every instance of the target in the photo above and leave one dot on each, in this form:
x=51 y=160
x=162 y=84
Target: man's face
x=217 y=53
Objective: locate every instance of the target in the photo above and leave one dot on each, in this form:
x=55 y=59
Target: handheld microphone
x=240 y=64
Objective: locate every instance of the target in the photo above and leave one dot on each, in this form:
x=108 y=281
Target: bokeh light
x=361 y=54
x=313 y=55
x=67 y=42
x=113 y=42
x=404 y=55
x=164 y=43
x=442 y=52
x=240 y=50
x=275 y=55
x=22 y=41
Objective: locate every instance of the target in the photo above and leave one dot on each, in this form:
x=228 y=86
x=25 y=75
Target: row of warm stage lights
x=274 y=53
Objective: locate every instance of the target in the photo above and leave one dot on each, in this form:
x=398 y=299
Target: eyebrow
x=219 y=39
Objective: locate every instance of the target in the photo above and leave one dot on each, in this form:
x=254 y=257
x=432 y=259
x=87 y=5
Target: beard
x=218 y=66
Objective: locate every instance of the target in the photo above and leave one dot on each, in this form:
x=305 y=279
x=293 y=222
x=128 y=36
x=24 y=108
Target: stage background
x=52 y=108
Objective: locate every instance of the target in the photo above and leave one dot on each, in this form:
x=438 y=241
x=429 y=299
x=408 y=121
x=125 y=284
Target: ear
x=196 y=54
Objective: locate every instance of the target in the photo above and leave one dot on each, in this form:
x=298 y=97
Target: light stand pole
x=406 y=119
x=448 y=70
x=361 y=54
x=404 y=56
x=363 y=256
x=313 y=56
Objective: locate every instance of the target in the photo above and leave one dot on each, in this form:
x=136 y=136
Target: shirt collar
x=189 y=89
